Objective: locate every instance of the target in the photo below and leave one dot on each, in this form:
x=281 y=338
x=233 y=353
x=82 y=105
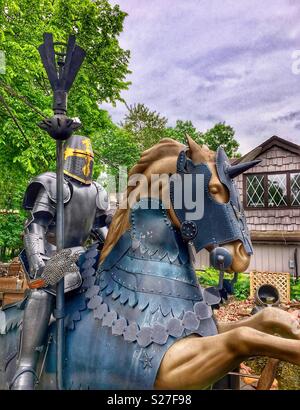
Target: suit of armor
x=85 y=212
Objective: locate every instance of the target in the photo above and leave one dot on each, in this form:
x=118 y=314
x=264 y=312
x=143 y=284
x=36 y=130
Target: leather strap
x=37 y=284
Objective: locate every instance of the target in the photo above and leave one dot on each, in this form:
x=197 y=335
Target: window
x=272 y=190
x=277 y=191
x=255 y=190
x=295 y=189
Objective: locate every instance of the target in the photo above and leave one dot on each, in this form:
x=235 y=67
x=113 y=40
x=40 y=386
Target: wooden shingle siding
x=273 y=160
x=272 y=257
x=269 y=257
x=275 y=219
x=201 y=259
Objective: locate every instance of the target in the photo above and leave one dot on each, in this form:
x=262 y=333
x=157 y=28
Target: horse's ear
x=195 y=152
x=192 y=145
x=205 y=147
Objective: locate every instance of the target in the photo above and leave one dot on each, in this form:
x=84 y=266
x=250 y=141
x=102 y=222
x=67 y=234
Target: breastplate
x=79 y=215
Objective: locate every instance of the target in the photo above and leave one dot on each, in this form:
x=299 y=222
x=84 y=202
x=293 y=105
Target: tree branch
x=12 y=92
x=13 y=117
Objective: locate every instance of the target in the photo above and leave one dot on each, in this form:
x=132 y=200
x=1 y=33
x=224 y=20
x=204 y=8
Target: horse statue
x=140 y=319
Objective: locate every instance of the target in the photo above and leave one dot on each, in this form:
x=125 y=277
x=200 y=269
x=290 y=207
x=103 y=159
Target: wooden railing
x=12 y=282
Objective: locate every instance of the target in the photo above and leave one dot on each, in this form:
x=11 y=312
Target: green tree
x=97 y=25
x=25 y=94
x=219 y=134
x=182 y=129
x=118 y=148
x=10 y=234
x=222 y=134
x=146 y=127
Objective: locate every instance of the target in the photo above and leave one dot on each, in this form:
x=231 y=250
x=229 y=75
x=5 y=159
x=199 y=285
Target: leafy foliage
x=25 y=150
x=222 y=134
x=182 y=129
x=210 y=277
x=117 y=147
x=242 y=287
x=11 y=226
x=101 y=78
x=295 y=289
x=147 y=127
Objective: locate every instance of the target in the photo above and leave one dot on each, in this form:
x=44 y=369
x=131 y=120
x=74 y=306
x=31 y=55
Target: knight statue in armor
x=85 y=215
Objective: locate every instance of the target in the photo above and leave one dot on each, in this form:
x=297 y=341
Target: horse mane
x=161 y=158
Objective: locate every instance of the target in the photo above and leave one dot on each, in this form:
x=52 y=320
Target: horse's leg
x=196 y=363
x=269 y=320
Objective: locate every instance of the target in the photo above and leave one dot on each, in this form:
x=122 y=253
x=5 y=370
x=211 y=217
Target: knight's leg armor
x=35 y=322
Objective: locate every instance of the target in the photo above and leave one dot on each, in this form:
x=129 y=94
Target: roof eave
x=271 y=142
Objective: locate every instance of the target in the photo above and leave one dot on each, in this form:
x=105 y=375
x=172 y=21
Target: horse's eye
x=214 y=189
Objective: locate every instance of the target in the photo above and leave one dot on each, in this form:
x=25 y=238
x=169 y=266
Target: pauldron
x=48 y=181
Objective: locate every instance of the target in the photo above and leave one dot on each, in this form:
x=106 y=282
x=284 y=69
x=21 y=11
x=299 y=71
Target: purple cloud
x=209 y=60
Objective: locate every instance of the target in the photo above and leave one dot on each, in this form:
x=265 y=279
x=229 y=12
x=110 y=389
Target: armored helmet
x=79 y=159
x=220 y=223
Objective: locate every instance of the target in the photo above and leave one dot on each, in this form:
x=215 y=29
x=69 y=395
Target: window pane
x=255 y=190
x=295 y=189
x=277 y=192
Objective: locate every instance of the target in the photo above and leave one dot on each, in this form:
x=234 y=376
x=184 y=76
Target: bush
x=210 y=277
x=295 y=289
x=242 y=287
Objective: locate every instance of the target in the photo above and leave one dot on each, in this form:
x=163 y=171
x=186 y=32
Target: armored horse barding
x=141 y=320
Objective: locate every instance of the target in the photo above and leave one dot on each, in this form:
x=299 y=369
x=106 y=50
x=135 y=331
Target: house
x=270 y=193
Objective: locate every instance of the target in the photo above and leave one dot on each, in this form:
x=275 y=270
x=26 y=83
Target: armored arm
x=103 y=215
x=42 y=214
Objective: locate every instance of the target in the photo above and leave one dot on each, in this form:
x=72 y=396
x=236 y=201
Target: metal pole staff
x=61 y=68
x=60 y=299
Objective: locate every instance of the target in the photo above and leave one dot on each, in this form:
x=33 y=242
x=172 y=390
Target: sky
x=207 y=61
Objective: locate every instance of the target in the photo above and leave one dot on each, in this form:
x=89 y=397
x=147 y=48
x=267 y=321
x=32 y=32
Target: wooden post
x=268 y=375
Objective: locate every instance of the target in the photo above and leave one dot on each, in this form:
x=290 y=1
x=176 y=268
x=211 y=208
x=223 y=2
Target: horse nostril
x=239 y=249
x=241 y=257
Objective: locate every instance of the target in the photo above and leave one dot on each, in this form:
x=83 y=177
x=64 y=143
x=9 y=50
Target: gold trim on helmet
x=84 y=181
x=87 y=154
